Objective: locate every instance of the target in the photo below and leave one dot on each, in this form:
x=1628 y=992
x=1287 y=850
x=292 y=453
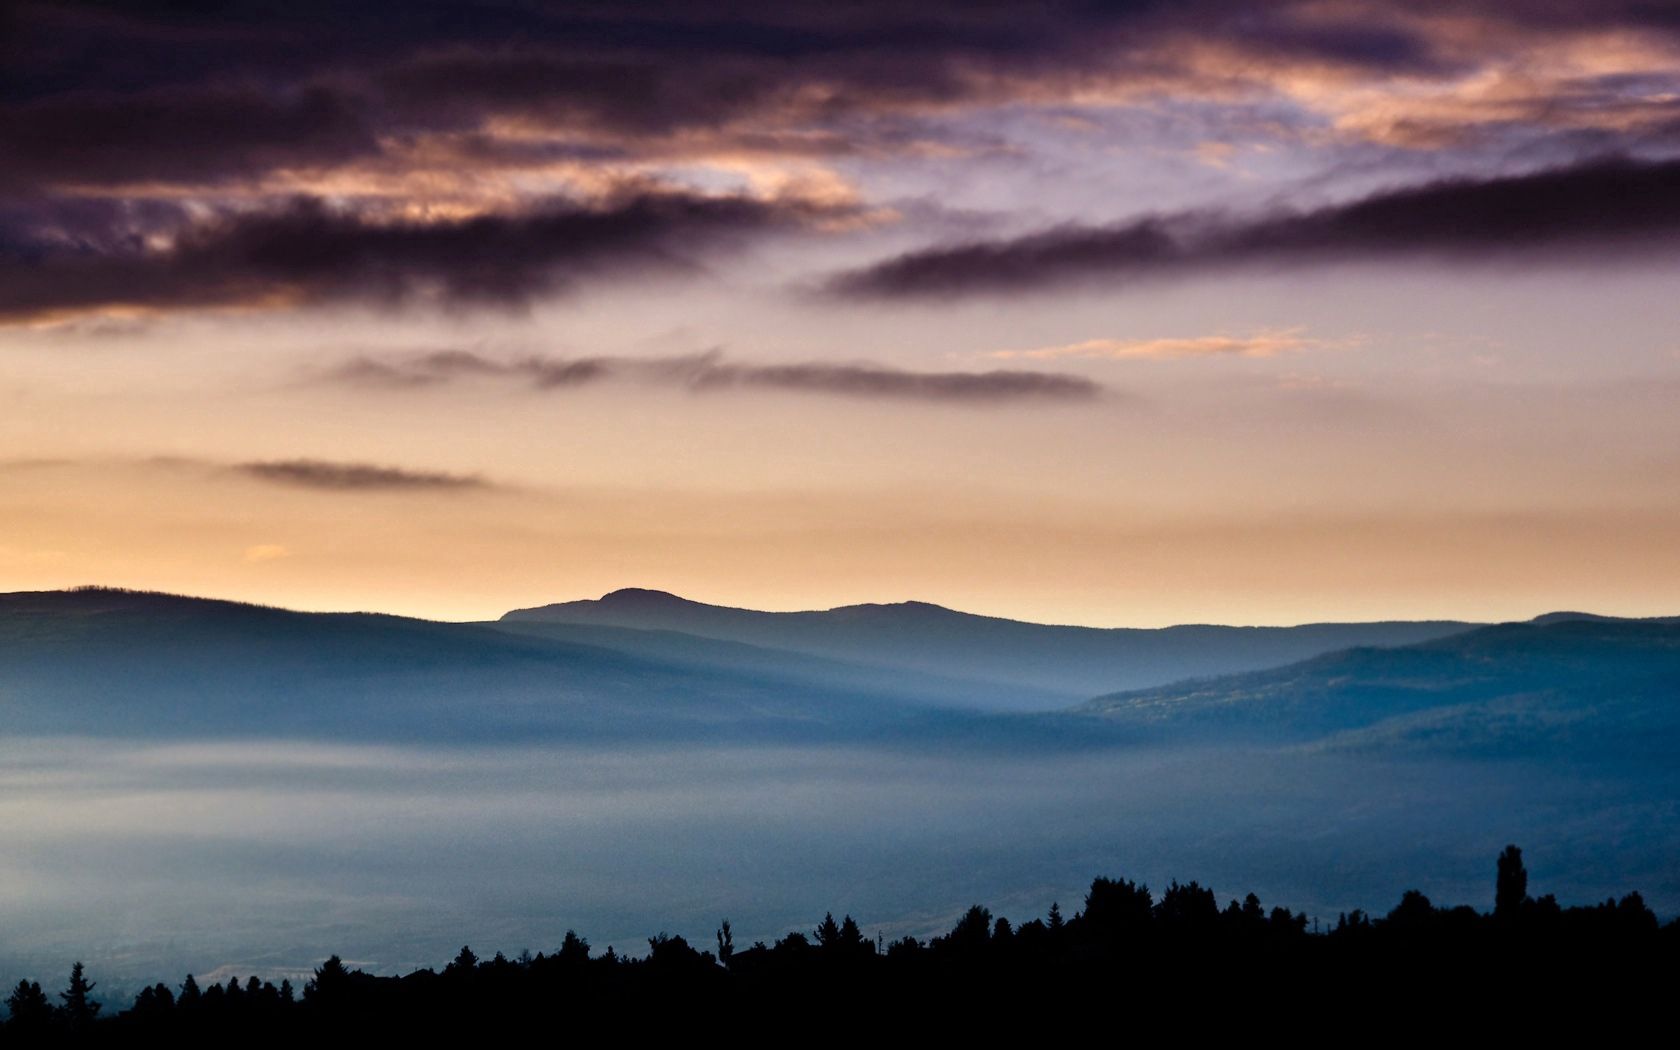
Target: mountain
x=110 y=662
x=1050 y=666
x=1564 y=617
x=1562 y=686
x=796 y=668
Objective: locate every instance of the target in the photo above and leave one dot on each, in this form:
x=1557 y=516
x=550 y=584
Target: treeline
x=1126 y=955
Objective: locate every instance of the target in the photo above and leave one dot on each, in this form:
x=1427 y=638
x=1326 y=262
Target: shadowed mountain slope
x=1565 y=686
x=110 y=662
x=795 y=667
x=1063 y=663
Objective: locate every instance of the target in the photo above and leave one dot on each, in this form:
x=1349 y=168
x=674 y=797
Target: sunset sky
x=1108 y=313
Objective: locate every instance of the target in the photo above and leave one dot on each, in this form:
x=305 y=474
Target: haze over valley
x=208 y=787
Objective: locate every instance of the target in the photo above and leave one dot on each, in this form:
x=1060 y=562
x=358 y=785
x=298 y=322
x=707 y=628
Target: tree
x=827 y=933
x=726 y=943
x=465 y=962
x=30 y=1008
x=574 y=950
x=330 y=982
x=973 y=931
x=851 y=937
x=1511 y=885
x=79 y=1009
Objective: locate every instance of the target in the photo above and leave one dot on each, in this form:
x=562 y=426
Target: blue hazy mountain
x=1565 y=685
x=792 y=667
x=114 y=662
x=1060 y=664
x=216 y=779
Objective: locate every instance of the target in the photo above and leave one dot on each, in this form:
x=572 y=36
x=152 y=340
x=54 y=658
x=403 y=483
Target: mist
x=152 y=860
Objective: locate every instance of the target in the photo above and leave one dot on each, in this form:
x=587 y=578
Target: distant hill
x=117 y=662
x=1058 y=665
x=794 y=667
x=1564 y=685
x=125 y=663
x=1564 y=617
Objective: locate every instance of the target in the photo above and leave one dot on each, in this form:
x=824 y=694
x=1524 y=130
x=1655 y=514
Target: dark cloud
x=308 y=252
x=356 y=477
x=710 y=372
x=179 y=134
x=123 y=125
x=109 y=94
x=1616 y=204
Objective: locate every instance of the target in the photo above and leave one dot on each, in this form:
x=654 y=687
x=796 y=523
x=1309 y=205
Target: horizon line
x=340 y=610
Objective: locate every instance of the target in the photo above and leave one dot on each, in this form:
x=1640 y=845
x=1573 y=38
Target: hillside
x=1563 y=685
x=1061 y=664
x=115 y=662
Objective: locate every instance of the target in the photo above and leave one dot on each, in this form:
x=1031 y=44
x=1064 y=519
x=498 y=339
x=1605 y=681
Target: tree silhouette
x=30 y=1009
x=827 y=933
x=574 y=950
x=725 y=943
x=972 y=932
x=1511 y=885
x=330 y=984
x=1575 y=958
x=465 y=962
x=190 y=994
x=851 y=937
x=79 y=1009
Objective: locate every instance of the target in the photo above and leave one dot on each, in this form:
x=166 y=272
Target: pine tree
x=78 y=1010
x=827 y=934
x=1511 y=885
x=465 y=962
x=29 y=1007
x=725 y=943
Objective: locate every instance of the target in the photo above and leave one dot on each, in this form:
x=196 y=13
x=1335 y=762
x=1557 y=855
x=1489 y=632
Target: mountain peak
x=1565 y=616
x=910 y=607
x=643 y=596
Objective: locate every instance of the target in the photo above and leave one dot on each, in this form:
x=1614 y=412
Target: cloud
x=101 y=96
x=711 y=372
x=163 y=160
x=1628 y=205
x=308 y=252
x=356 y=477
x=1268 y=343
x=266 y=552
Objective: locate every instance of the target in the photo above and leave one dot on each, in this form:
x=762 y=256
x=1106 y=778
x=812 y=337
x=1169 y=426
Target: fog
x=152 y=860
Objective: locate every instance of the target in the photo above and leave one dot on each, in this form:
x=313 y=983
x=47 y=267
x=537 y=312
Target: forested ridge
x=1173 y=957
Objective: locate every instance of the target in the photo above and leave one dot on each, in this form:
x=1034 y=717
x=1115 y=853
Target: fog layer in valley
x=151 y=860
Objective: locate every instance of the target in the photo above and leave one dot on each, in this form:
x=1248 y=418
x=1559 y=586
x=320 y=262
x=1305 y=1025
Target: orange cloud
x=1265 y=343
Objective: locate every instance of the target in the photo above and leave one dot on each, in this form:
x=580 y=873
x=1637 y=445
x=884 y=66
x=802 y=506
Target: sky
x=1124 y=313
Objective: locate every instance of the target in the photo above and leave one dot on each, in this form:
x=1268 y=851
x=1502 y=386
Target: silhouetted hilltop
x=1565 y=616
x=1063 y=663
x=1577 y=684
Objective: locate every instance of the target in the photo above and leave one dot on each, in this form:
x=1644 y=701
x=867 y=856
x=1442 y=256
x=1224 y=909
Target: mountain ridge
x=1505 y=688
x=1071 y=662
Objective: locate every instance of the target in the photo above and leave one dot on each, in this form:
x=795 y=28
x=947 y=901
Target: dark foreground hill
x=1130 y=962
x=1060 y=664
x=1564 y=686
